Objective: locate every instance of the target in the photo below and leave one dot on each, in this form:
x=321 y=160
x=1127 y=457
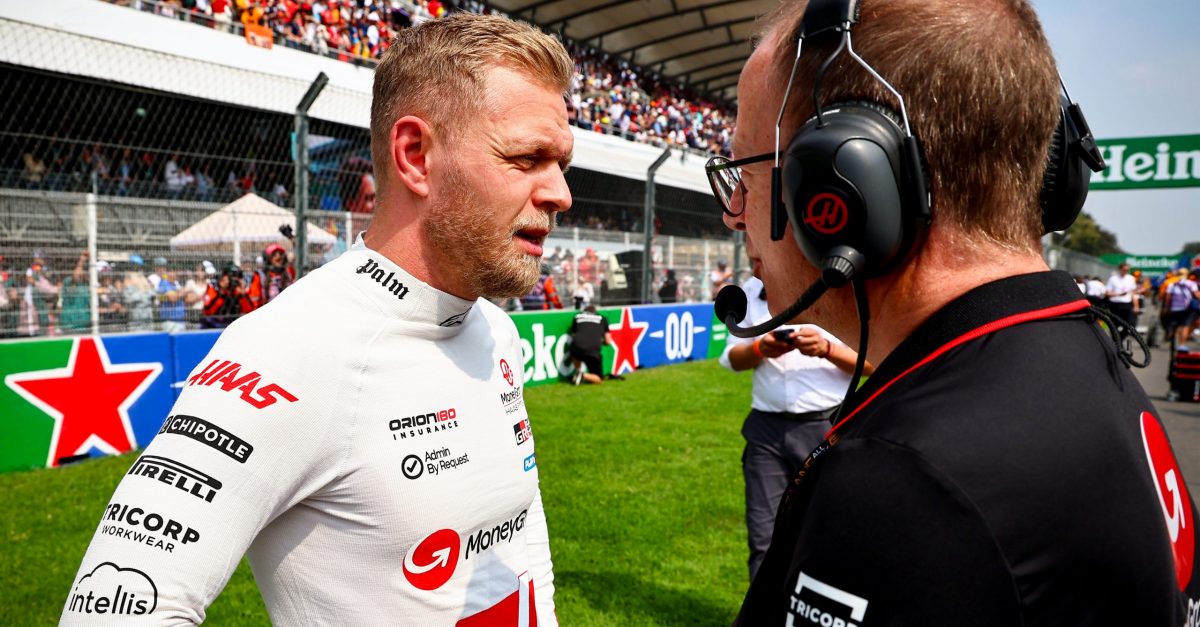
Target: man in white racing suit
x=363 y=438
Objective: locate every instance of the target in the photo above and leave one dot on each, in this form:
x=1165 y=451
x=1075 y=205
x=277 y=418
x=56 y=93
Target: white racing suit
x=363 y=439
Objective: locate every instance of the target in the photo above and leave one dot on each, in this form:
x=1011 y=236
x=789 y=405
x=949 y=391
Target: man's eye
x=526 y=161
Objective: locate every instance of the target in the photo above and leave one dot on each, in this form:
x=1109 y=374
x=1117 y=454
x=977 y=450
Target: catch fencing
x=76 y=263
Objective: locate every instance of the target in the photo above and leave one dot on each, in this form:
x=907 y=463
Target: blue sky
x=1132 y=64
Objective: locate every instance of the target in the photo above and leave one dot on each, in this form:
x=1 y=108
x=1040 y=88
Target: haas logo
x=228 y=376
x=1172 y=496
x=430 y=563
x=826 y=213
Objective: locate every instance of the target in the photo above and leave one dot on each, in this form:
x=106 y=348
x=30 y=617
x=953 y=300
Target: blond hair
x=981 y=90
x=436 y=71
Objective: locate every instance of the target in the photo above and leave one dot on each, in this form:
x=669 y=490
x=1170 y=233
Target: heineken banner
x=1148 y=264
x=90 y=396
x=1149 y=162
x=643 y=337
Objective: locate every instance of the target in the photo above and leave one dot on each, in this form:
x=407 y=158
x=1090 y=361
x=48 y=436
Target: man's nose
x=738 y=203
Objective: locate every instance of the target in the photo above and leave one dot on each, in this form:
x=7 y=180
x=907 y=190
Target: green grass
x=641 y=481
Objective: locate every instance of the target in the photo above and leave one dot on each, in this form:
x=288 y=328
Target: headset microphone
x=838 y=267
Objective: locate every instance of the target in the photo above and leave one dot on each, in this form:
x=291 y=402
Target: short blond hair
x=437 y=71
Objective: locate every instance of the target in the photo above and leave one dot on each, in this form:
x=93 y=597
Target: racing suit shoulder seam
x=355 y=414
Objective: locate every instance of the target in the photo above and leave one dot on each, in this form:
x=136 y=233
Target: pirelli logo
x=179 y=476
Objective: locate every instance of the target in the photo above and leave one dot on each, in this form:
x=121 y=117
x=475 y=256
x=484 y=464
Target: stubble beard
x=461 y=229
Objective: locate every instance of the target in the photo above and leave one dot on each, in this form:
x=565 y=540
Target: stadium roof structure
x=701 y=44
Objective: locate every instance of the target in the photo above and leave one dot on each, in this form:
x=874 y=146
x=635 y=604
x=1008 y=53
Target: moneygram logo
x=506 y=371
x=430 y=563
x=176 y=475
x=144 y=527
x=229 y=375
x=512 y=400
x=485 y=539
x=110 y=589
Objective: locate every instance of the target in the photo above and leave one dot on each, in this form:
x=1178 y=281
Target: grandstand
x=151 y=115
x=129 y=124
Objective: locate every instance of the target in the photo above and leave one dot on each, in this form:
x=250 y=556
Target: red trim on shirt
x=991 y=327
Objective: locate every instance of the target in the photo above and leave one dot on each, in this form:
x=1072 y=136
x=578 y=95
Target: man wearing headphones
x=1002 y=466
x=363 y=439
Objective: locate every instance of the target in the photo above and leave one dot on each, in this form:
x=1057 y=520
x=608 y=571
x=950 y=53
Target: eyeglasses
x=725 y=178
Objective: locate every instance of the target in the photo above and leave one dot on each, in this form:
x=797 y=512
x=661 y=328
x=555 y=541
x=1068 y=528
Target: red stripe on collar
x=991 y=327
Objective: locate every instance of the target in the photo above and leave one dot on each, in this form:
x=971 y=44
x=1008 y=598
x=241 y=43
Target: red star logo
x=89 y=400
x=626 y=339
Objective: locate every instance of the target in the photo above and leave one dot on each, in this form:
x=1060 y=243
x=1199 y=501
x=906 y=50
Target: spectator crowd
x=39 y=300
x=609 y=95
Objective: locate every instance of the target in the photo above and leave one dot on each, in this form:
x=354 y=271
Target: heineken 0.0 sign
x=1149 y=162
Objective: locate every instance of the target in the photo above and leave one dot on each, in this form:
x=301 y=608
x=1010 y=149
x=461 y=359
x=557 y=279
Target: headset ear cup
x=855 y=179
x=1065 y=183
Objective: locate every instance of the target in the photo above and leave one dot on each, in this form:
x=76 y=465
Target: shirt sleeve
x=541 y=568
x=245 y=441
x=732 y=340
x=886 y=540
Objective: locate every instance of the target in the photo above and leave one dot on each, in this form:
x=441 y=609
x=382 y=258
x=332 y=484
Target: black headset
x=853 y=181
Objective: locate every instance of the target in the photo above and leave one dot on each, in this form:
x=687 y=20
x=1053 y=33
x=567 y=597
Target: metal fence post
x=648 y=219
x=93 y=275
x=300 y=158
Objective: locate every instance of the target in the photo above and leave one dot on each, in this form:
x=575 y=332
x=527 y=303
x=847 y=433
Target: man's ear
x=411 y=139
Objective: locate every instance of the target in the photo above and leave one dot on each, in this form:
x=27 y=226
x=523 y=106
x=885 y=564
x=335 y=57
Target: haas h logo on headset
x=826 y=213
x=854 y=175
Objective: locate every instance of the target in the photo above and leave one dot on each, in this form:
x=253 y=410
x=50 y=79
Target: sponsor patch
x=1172 y=496
x=485 y=539
x=146 y=527
x=819 y=603
x=530 y=462
x=512 y=400
x=112 y=590
x=210 y=435
x=455 y=320
x=506 y=372
x=227 y=376
x=179 y=476
x=423 y=424
x=522 y=432
x=389 y=282
x=430 y=563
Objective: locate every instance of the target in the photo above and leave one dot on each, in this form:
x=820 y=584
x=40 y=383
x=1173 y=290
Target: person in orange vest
x=225 y=299
x=267 y=282
x=543 y=295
